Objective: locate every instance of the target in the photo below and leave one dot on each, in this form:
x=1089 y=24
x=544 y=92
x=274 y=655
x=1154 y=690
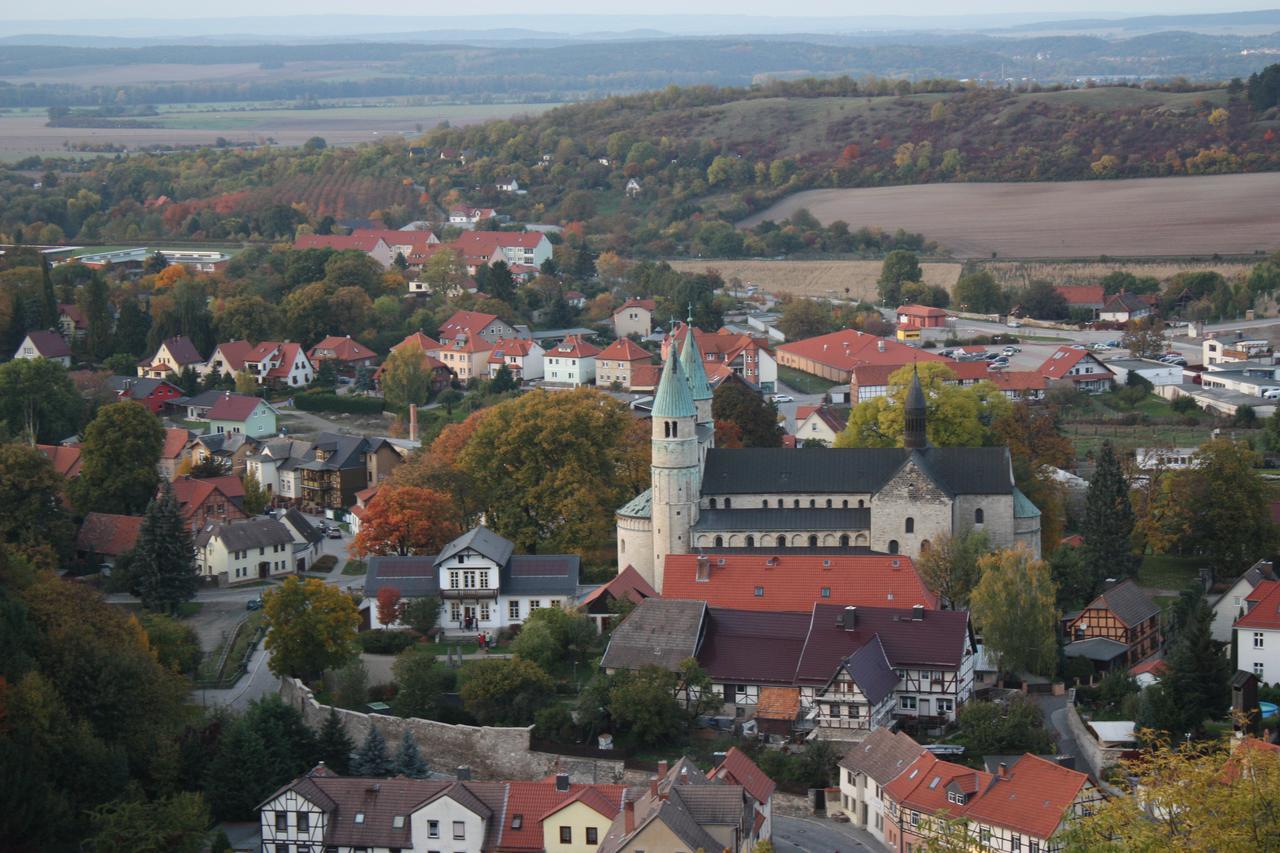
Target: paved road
x=259 y=682
x=812 y=835
x=1055 y=714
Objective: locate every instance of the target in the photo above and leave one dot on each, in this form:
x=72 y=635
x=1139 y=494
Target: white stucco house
x=572 y=362
x=249 y=550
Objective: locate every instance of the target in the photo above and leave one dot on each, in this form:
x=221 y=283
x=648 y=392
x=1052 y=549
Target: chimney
x=628 y=814
x=653 y=787
x=663 y=768
x=463 y=773
x=849 y=618
x=413 y=422
x=880 y=345
x=917 y=613
x=684 y=775
x=703 y=574
x=1004 y=770
x=562 y=781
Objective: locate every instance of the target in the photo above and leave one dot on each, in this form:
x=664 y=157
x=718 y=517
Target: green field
x=1169 y=572
x=248 y=116
x=805 y=383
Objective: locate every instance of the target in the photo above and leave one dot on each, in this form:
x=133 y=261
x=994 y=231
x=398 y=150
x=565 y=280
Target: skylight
x=397 y=822
x=517 y=821
x=934 y=782
x=359 y=817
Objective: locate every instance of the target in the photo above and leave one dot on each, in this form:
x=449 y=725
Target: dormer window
x=461 y=558
x=397 y=822
x=359 y=819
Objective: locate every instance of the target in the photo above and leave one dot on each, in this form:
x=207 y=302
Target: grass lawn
x=355 y=567
x=805 y=383
x=189 y=608
x=1168 y=572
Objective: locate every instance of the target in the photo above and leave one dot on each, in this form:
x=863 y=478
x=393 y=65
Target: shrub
x=386 y=642
x=323 y=402
x=325 y=563
x=383 y=692
x=1185 y=406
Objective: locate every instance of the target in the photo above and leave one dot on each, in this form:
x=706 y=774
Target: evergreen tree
x=372 y=758
x=1199 y=679
x=1108 y=522
x=163 y=563
x=502 y=381
x=409 y=760
x=48 y=301
x=97 y=314
x=335 y=745
x=241 y=757
x=132 y=327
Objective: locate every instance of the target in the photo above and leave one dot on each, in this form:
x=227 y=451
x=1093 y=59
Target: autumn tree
x=979 y=292
x=38 y=401
x=950 y=566
x=119 y=456
x=1014 y=607
x=1144 y=338
x=549 y=470
x=755 y=417
x=406 y=380
x=163 y=565
x=406 y=520
x=900 y=266
x=806 y=318
x=311 y=627
x=34 y=523
x=388 y=605
x=505 y=692
x=957 y=417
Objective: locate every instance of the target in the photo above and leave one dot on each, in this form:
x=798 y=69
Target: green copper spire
x=673 y=399
x=691 y=362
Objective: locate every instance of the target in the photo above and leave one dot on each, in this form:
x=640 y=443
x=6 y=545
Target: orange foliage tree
x=388 y=605
x=407 y=520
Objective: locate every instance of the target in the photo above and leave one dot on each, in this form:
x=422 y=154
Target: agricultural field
x=1163 y=217
x=23 y=132
x=853 y=280
x=1022 y=273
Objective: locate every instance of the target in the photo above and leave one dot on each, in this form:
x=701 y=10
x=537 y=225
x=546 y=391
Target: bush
x=386 y=642
x=555 y=723
x=325 y=563
x=324 y=402
x=1185 y=406
x=383 y=692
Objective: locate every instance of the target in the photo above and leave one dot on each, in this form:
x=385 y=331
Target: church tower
x=691 y=364
x=914 y=435
x=675 y=469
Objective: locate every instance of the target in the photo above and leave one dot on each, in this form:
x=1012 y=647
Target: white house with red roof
x=1079 y=367
x=172 y=357
x=347 y=355
x=523 y=358
x=1257 y=632
x=819 y=424
x=281 y=363
x=475 y=324
x=571 y=362
x=528 y=248
x=726 y=352
x=469 y=217
x=635 y=317
x=372 y=245
x=72 y=324
x=50 y=346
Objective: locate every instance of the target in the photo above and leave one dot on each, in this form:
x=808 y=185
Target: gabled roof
x=792 y=582
x=660 y=631
x=110 y=535
x=412 y=577
x=183 y=351
x=1082 y=294
x=752 y=646
x=1063 y=359
x=574 y=346
x=175 y=441
x=923 y=786
x=1125 y=301
x=247 y=534
x=835 y=421
x=337 y=242
x=49 y=344
x=235 y=407
x=882 y=755
x=344 y=349
x=190 y=492
x=481 y=540
x=778 y=703
x=74 y=314
x=940 y=639
x=626 y=584
x=302 y=526
x=65 y=460
x=1033 y=797
x=139 y=388
x=1127 y=602
x=647 y=304
x=739 y=769
x=419 y=340
x=485 y=242
x=625 y=349
x=870 y=670
x=1265 y=613
x=534 y=802
x=848 y=348
x=921 y=311
x=518 y=347
x=234 y=354
x=470 y=323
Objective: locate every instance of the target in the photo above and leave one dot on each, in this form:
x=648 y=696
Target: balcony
x=468 y=594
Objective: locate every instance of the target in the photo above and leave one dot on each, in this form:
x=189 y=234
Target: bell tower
x=675 y=469
x=914 y=415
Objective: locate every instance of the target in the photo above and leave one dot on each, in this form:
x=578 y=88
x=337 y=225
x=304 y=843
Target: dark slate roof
x=753 y=646
x=758 y=470
x=715 y=805
x=1095 y=648
x=661 y=631
x=1128 y=603
x=226 y=442
x=939 y=640
x=203 y=400
x=482 y=540
x=786 y=518
x=244 y=535
x=882 y=755
x=414 y=577
x=540 y=574
x=138 y=388
x=298 y=522
x=869 y=668
x=343 y=452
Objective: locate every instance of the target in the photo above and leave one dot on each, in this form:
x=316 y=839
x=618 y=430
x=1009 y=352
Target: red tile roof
x=625 y=349
x=73 y=311
x=175 y=440
x=233 y=407
x=848 y=348
x=1075 y=540
x=466 y=322
x=1082 y=294
x=1017 y=380
x=626 y=584
x=109 y=535
x=794 y=581
x=1266 y=612
x=1033 y=797
x=518 y=347
x=738 y=769
x=486 y=242
x=1155 y=666
x=420 y=340
x=645 y=375
x=191 y=493
x=646 y=304
x=337 y=242
x=49 y=344
x=65 y=460
x=344 y=349
x=938 y=640
x=575 y=347
x=923 y=786
x=533 y=801
x=920 y=311
x=234 y=354
x=1062 y=360
x=418 y=240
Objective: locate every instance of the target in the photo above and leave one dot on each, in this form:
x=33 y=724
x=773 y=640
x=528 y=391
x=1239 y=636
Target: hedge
x=386 y=642
x=312 y=402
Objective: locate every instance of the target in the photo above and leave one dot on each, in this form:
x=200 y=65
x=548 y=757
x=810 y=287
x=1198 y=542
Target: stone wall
x=1093 y=753
x=491 y=752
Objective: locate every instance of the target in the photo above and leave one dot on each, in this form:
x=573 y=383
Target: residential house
x=71 y=323
x=627 y=585
x=834 y=356
x=633 y=188
x=356 y=514
x=307 y=540
x=336 y=470
x=275 y=466
x=738 y=769
x=1124 y=306
x=466 y=356
x=178 y=444
x=870 y=381
x=517 y=248
x=523 y=359
x=1227 y=350
x=865 y=769
x=104 y=538
x=65 y=459
x=371 y=244
x=197 y=407
x=819 y=424
x=384 y=455
x=47 y=345
x=1251 y=378
x=1019 y=385
x=1231 y=604
x=347 y=355
x=237 y=413
x=232 y=449
x=1079 y=367
x=508 y=185
x=1083 y=297
x=927 y=791
x=173 y=356
x=1257 y=633
x=469 y=217
x=554 y=814
x=1165 y=458
x=571 y=362
x=281 y=364
x=1123 y=615
x=726 y=353
x=247 y=550
x=413 y=245
x=635 y=317
x=483 y=584
x=155 y=394
x=211 y=500
x=616 y=362
x=1156 y=372
x=921 y=317
x=471 y=324
x=576 y=299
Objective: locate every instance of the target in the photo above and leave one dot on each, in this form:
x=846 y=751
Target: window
x=828 y=503
x=433 y=829
x=1035 y=846
x=359 y=818
x=713 y=503
x=812 y=503
x=728 y=503
x=484 y=580
x=566 y=835
x=1257 y=669
x=469 y=579
x=795 y=504
x=455 y=612
x=759 y=592
x=977 y=515
x=826 y=592
x=893 y=546
x=946 y=706
x=779 y=503
x=907 y=703
x=719 y=542
x=454 y=580
x=1016 y=841
x=459 y=830
x=534 y=604
x=911 y=525
x=1257 y=639
x=513 y=609
x=984 y=837
x=282 y=820
x=397 y=822
x=751 y=541
x=593 y=835
x=813 y=541
x=304 y=822
x=484 y=611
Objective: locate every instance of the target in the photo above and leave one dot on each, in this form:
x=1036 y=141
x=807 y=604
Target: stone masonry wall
x=491 y=752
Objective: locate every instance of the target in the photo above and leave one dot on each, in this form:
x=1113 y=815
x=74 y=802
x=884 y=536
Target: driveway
x=259 y=682
x=1055 y=716
x=809 y=835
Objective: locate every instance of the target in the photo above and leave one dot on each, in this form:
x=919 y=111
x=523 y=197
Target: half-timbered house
x=1122 y=614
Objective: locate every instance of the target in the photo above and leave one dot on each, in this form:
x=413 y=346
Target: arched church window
x=860 y=503
x=977 y=515
x=751 y=541
x=844 y=540
x=795 y=504
x=828 y=503
x=813 y=541
x=893 y=546
x=924 y=547
x=666 y=429
x=812 y=503
x=713 y=503
x=728 y=503
x=782 y=541
x=675 y=429
x=911 y=524
x=719 y=541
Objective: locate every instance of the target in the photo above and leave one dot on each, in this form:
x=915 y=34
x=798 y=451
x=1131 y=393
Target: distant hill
x=1266 y=20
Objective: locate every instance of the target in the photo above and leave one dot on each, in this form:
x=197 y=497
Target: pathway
x=809 y=835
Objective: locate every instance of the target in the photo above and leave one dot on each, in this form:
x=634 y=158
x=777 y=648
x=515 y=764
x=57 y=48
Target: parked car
x=1113 y=344
x=992 y=356
x=1271 y=394
x=1098 y=347
x=1014 y=324
x=334 y=533
x=253 y=604
x=1078 y=346
x=783 y=398
x=1010 y=350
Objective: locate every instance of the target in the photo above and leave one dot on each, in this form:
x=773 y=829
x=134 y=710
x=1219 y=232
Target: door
x=468 y=616
x=264 y=569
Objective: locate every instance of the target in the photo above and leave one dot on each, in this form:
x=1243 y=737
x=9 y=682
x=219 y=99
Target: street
x=818 y=835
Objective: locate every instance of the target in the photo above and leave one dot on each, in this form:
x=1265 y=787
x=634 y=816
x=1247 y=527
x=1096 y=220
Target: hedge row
x=386 y=642
x=311 y=402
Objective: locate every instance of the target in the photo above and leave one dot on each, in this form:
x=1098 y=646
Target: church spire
x=914 y=415
x=691 y=365
x=673 y=399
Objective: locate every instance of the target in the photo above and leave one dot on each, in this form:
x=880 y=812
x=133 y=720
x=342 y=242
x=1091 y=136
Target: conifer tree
x=1108 y=522
x=240 y=756
x=335 y=745
x=371 y=759
x=48 y=301
x=163 y=560
x=1199 y=679
x=409 y=760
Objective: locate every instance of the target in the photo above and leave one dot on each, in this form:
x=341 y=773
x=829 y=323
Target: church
x=894 y=500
